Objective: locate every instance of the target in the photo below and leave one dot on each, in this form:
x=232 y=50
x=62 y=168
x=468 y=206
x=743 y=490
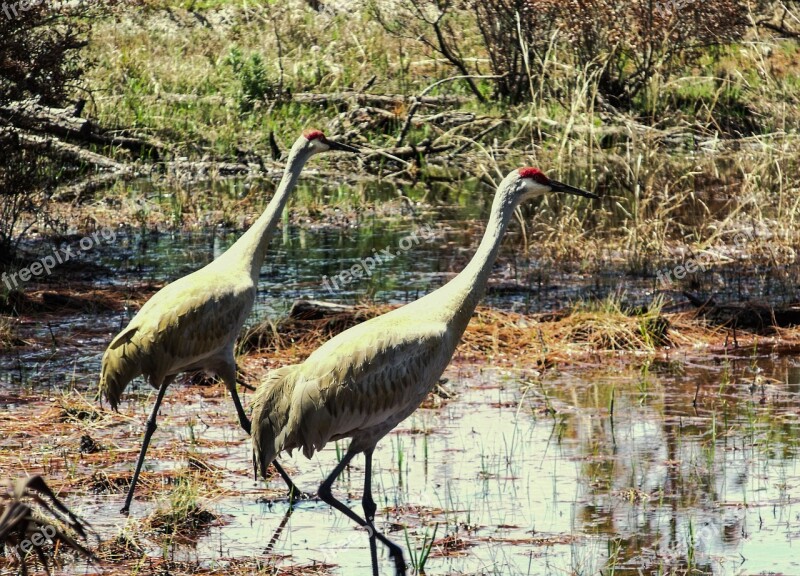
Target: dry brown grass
x=7 y=337
x=43 y=434
x=34 y=523
x=539 y=341
x=299 y=334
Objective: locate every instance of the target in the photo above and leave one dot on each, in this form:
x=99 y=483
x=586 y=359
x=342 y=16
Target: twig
x=417 y=101
x=415 y=104
x=480 y=135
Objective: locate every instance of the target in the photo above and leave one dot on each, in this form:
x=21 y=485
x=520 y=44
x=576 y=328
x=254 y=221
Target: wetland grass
x=7 y=336
x=707 y=152
x=184 y=515
x=633 y=421
x=35 y=525
x=675 y=184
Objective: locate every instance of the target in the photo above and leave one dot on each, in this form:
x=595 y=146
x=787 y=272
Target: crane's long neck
x=249 y=250
x=465 y=291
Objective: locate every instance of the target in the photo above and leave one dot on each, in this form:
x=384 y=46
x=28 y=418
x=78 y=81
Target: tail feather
x=271 y=409
x=122 y=362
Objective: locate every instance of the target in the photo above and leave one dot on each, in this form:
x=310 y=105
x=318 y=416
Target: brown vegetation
x=33 y=522
x=626 y=49
x=536 y=341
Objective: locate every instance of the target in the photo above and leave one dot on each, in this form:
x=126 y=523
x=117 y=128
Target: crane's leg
x=294 y=492
x=227 y=372
x=148 y=433
x=242 y=382
x=327 y=496
x=369 y=510
x=244 y=421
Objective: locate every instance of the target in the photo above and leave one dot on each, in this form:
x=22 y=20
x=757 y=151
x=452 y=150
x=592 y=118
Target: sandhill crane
x=193 y=323
x=366 y=380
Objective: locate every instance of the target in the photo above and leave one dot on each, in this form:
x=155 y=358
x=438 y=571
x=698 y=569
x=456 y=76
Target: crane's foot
x=296 y=495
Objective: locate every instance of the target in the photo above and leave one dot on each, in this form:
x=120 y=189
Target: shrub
x=254 y=78
x=40 y=51
x=649 y=41
x=437 y=24
x=22 y=179
x=629 y=49
x=40 y=59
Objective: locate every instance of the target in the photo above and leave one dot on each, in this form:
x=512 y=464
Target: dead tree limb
x=782 y=30
x=69 y=152
x=409 y=152
x=62 y=123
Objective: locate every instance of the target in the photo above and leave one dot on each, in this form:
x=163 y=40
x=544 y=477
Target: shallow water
x=676 y=465
x=529 y=476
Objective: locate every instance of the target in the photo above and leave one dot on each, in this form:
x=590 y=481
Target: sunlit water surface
x=522 y=473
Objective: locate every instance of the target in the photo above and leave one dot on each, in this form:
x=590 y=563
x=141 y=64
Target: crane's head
x=532 y=182
x=317 y=142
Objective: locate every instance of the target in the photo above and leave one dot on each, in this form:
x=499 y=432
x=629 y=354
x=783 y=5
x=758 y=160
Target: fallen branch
x=779 y=29
x=77 y=191
x=62 y=123
x=104 y=171
x=474 y=140
x=204 y=169
x=410 y=152
x=416 y=102
x=68 y=152
x=324 y=99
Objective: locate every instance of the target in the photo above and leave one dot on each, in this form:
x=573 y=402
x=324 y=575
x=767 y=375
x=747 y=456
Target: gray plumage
x=365 y=381
x=193 y=323
x=360 y=384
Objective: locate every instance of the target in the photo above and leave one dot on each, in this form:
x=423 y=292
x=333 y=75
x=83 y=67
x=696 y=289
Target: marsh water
x=688 y=462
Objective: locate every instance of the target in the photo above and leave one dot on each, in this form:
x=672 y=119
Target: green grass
x=213 y=90
x=216 y=85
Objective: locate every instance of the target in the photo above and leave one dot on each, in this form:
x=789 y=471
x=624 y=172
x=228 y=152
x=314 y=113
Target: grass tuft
x=609 y=325
x=184 y=516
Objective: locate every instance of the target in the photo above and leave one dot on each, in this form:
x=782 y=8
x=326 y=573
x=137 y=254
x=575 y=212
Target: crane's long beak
x=557 y=186
x=333 y=145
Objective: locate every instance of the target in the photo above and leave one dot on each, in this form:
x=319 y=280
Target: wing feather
x=181 y=325
x=367 y=379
